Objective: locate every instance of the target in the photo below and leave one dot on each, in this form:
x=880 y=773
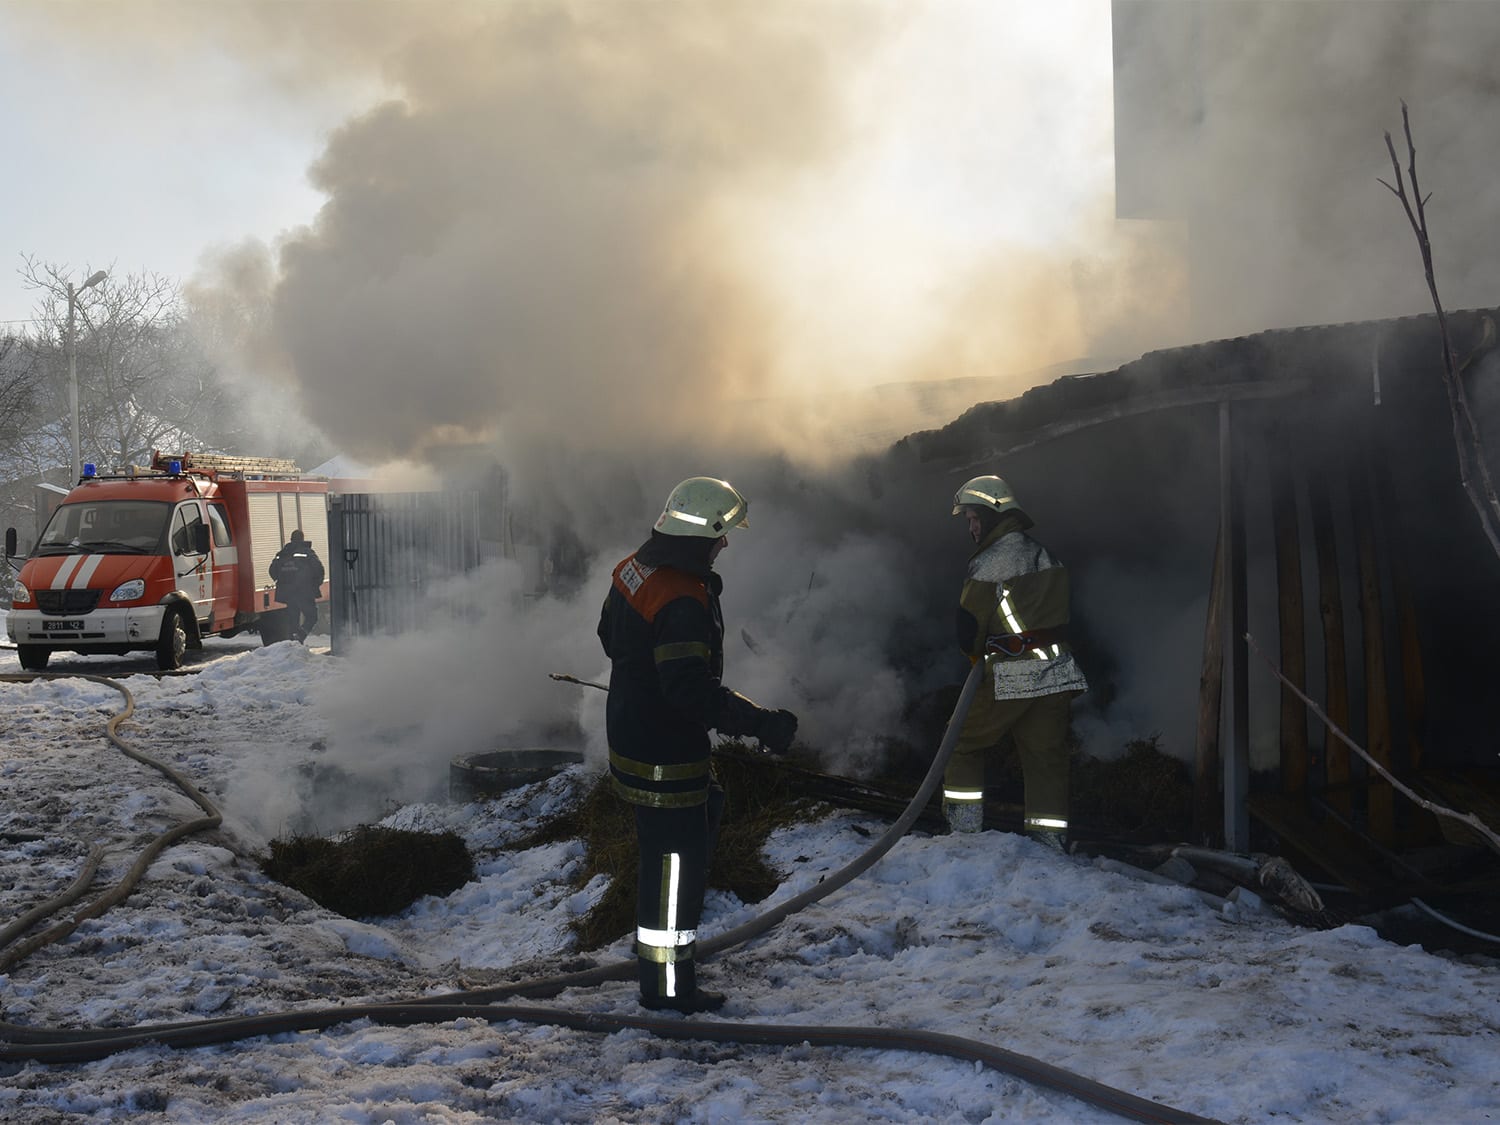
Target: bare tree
x=18 y=368
x=18 y=393
x=1473 y=465
x=143 y=381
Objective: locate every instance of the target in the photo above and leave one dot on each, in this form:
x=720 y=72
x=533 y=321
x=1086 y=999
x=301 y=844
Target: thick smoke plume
x=612 y=223
x=530 y=232
x=627 y=243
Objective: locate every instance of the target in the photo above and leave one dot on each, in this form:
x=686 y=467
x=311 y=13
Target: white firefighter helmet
x=704 y=507
x=985 y=492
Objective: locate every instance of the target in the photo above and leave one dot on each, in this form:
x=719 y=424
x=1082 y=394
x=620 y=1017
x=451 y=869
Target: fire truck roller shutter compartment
x=265 y=538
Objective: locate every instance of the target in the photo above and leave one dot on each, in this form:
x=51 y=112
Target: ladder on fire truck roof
x=224 y=463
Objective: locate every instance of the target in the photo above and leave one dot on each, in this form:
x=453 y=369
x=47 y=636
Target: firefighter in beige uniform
x=1013 y=615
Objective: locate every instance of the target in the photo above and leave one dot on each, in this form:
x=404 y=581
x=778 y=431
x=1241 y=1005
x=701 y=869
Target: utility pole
x=93 y=280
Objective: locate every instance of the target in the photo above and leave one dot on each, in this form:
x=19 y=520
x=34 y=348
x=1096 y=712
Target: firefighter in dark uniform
x=298 y=574
x=664 y=634
x=1013 y=614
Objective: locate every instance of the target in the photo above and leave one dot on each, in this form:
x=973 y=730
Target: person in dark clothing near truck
x=663 y=632
x=298 y=574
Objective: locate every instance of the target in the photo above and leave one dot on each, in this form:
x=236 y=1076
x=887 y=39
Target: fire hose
x=63 y=1045
x=121 y=890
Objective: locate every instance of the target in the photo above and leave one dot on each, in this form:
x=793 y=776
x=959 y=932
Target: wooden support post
x=1335 y=658
x=1289 y=614
x=1412 y=674
x=1236 y=652
x=1413 y=677
x=1207 y=823
x=1380 y=797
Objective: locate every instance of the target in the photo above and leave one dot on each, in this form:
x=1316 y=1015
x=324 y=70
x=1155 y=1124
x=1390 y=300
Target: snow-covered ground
x=1225 y=1011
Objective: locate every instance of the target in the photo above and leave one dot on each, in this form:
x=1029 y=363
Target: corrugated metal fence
x=388 y=549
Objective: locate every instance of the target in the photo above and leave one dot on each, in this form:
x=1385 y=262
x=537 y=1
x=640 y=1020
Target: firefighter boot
x=677 y=993
x=1049 y=838
x=699 y=1000
x=964 y=816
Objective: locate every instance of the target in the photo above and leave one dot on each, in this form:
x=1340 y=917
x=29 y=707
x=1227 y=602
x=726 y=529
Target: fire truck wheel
x=173 y=643
x=33 y=657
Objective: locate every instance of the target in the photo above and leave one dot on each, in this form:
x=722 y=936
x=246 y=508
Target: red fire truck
x=159 y=558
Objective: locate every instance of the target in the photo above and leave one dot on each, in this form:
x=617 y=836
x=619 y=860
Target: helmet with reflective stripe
x=704 y=507
x=985 y=492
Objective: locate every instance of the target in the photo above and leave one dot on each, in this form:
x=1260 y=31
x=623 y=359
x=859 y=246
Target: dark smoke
x=540 y=238
x=529 y=234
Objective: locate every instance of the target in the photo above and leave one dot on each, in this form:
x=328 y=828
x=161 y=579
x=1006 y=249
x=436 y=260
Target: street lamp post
x=95 y=279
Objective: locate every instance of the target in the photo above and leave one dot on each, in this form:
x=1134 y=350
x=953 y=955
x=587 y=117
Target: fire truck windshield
x=129 y=527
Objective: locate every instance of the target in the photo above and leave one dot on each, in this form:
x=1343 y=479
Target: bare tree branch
x=144 y=381
x=1485 y=831
x=1472 y=460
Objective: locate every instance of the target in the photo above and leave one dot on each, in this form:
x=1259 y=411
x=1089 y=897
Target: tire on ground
x=473 y=777
x=173 y=642
x=33 y=657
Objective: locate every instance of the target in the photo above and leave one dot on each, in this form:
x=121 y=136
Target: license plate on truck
x=62 y=626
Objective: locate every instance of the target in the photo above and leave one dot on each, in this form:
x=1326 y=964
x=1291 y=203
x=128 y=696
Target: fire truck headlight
x=19 y=594
x=129 y=591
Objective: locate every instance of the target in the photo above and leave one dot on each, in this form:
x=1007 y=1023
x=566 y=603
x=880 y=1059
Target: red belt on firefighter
x=1014 y=644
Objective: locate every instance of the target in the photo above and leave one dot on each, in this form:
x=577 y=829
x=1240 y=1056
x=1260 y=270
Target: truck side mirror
x=10 y=542
x=200 y=538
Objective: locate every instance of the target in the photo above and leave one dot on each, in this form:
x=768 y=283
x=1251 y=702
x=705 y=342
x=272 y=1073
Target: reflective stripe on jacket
x=1014 y=584
x=297 y=571
x=663 y=631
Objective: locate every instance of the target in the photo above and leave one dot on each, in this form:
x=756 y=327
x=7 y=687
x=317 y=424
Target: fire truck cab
x=159 y=558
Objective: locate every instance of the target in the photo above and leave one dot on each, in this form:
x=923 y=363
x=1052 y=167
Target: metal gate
x=387 y=550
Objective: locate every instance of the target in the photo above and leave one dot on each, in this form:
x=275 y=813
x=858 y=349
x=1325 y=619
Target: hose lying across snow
x=121 y=890
x=59 y=1045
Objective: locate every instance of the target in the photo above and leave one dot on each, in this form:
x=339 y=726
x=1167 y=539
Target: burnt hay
x=371 y=872
x=759 y=798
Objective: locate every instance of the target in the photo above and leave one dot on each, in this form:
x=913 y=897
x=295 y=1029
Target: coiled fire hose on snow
x=63 y=1045
x=121 y=890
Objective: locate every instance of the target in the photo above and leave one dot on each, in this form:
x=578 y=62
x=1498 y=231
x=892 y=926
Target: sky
x=1215 y=1006
x=155 y=147
x=142 y=162
x=531 y=224
x=453 y=194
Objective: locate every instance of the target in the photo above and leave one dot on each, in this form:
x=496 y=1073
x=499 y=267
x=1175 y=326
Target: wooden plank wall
x=1317 y=772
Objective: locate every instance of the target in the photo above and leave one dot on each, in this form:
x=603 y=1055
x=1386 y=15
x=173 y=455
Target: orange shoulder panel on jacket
x=649 y=588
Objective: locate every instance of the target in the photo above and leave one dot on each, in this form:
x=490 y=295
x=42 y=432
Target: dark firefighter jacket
x=1015 y=588
x=663 y=632
x=297 y=572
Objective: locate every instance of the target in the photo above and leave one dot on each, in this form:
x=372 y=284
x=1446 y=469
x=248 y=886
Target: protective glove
x=777 y=729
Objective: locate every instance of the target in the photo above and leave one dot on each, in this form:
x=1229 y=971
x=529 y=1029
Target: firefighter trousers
x=1039 y=727
x=676 y=846
x=302 y=612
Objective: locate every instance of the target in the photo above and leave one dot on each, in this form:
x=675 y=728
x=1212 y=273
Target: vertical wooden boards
x=1335 y=658
x=1207 y=825
x=1289 y=608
